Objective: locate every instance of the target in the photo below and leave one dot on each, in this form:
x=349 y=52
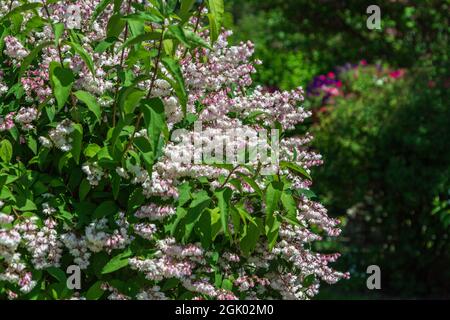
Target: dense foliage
x=91 y=92
x=385 y=134
x=298 y=39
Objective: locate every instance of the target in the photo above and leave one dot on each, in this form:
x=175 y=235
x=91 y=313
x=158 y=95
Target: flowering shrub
x=91 y=174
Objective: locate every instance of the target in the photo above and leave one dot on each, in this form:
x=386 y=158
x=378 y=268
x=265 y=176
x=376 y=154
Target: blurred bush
x=385 y=140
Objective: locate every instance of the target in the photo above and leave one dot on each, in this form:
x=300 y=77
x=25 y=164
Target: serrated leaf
x=90 y=102
x=58 y=274
x=118 y=262
x=185 y=9
x=84 y=189
x=250 y=238
x=215 y=16
x=194 y=40
x=6 y=150
x=141 y=38
x=290 y=205
x=155 y=120
x=77 y=139
x=129 y=99
x=61 y=80
x=58 y=30
x=296 y=168
x=95 y=292
x=224 y=196
x=107 y=208
x=115 y=26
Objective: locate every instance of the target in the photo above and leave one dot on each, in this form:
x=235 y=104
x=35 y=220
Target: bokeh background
x=381 y=120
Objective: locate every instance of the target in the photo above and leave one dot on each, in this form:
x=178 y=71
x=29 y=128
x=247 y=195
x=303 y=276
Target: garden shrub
x=91 y=175
x=384 y=136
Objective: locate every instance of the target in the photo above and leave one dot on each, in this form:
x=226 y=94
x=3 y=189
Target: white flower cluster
x=60 y=136
x=154 y=293
x=43 y=244
x=25 y=116
x=145 y=230
x=154 y=212
x=14 y=49
x=94 y=173
x=78 y=249
x=97 y=239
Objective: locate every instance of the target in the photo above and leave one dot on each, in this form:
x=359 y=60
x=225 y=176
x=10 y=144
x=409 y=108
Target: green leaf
x=129 y=99
x=203 y=229
x=174 y=69
x=58 y=274
x=145 y=17
x=273 y=232
x=224 y=196
x=135 y=200
x=102 y=46
x=95 y=292
x=155 y=120
x=141 y=38
x=61 y=80
x=83 y=54
x=58 y=29
x=200 y=202
x=85 y=187
x=273 y=195
x=185 y=9
x=105 y=209
x=194 y=40
x=91 y=150
x=115 y=183
x=184 y=193
x=77 y=139
x=176 y=32
x=250 y=238
x=227 y=284
x=295 y=168
x=28 y=205
x=6 y=150
x=118 y=262
x=215 y=16
x=32 y=144
x=90 y=102
x=115 y=26
x=290 y=205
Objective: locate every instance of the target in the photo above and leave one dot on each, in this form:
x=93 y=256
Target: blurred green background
x=381 y=118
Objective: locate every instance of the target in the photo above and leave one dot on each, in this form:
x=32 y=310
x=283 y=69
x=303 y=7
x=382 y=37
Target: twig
x=229 y=176
x=122 y=55
x=152 y=83
x=58 y=46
